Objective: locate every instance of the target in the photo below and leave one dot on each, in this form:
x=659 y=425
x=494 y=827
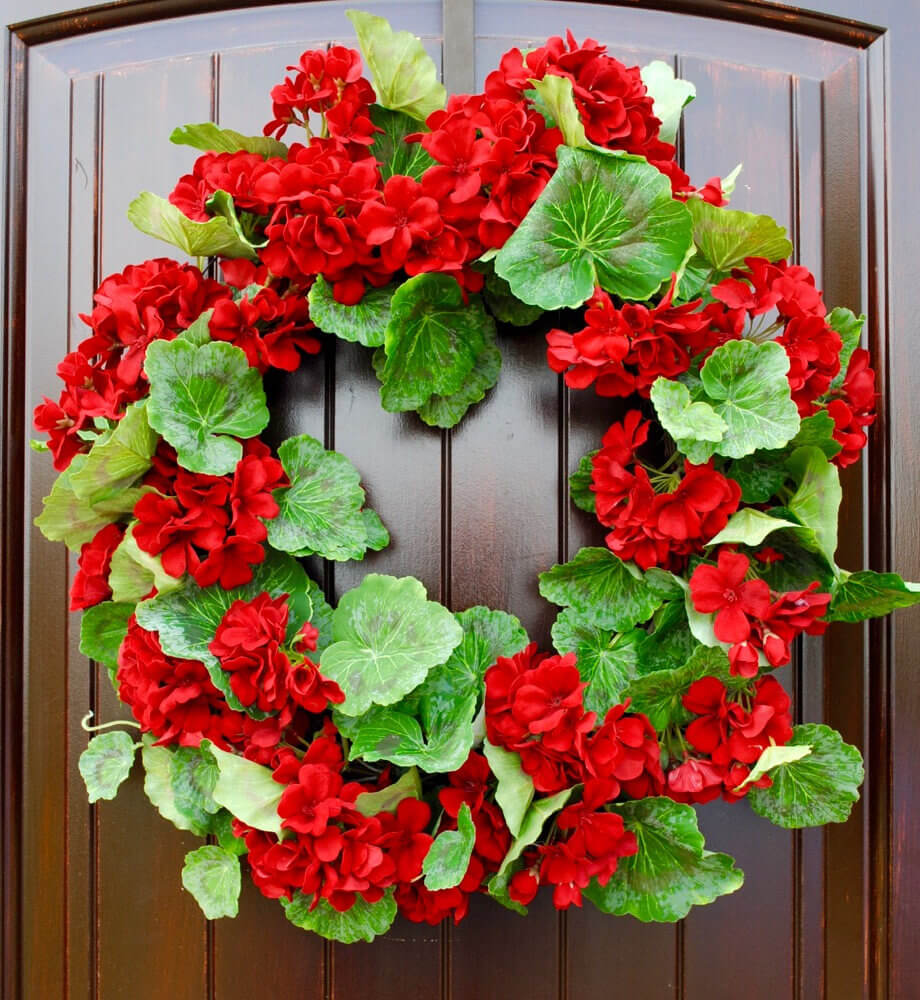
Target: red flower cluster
x=239 y=174
x=209 y=526
x=534 y=707
x=249 y=644
x=172 y=698
x=155 y=300
x=732 y=730
x=597 y=841
x=328 y=82
x=332 y=850
x=623 y=350
x=656 y=528
x=751 y=617
x=91 y=582
x=854 y=409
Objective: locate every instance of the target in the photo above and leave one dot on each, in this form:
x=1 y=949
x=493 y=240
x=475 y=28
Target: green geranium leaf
x=193 y=774
x=726 y=236
x=515 y=787
x=133 y=573
x=221 y=205
x=363 y=921
x=670 y=643
x=687 y=422
x=601 y=220
x=669 y=94
x=817 y=500
x=672 y=871
x=105 y=764
x=159 y=218
x=602 y=589
x=580 y=484
x=557 y=97
x=449 y=856
x=749 y=527
x=862 y=595
x=247 y=789
x=502 y=303
x=849 y=326
x=158 y=787
x=200 y=331
x=760 y=476
x=387 y=636
x=432 y=342
x=772 y=757
x=404 y=76
x=222 y=828
x=212 y=876
x=210 y=138
x=187 y=619
x=658 y=695
x=817 y=431
x=820 y=788
x=409 y=786
x=448 y=411
x=390 y=149
x=117 y=458
x=68 y=519
x=364 y=323
x=607 y=660
x=103 y=628
x=745 y=383
x=202 y=399
x=320 y=512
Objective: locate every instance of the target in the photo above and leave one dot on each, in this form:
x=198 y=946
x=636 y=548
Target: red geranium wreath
x=391 y=754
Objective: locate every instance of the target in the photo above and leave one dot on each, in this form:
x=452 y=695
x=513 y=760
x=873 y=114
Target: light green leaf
x=580 y=484
x=448 y=411
x=247 y=789
x=749 y=527
x=103 y=628
x=820 y=788
x=404 y=76
x=502 y=303
x=133 y=573
x=730 y=180
x=557 y=96
x=159 y=218
x=364 y=323
x=390 y=149
x=817 y=431
x=602 y=589
x=199 y=332
x=68 y=519
x=658 y=695
x=222 y=828
x=244 y=224
x=726 y=236
x=672 y=871
x=601 y=220
x=158 y=787
x=409 y=786
x=202 y=399
x=449 y=856
x=515 y=787
x=117 y=458
x=105 y=763
x=432 y=342
x=212 y=876
x=865 y=594
x=320 y=512
x=849 y=326
x=361 y=922
x=210 y=138
x=387 y=636
x=772 y=757
x=746 y=385
x=607 y=660
x=687 y=422
x=669 y=95
x=193 y=774
x=817 y=500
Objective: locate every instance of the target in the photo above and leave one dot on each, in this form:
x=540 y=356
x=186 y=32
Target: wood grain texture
x=94 y=893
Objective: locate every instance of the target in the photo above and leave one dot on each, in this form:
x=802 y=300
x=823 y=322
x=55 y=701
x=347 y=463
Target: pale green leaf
x=363 y=921
x=774 y=756
x=159 y=218
x=749 y=527
x=158 y=787
x=515 y=787
x=209 y=137
x=212 y=876
x=817 y=499
x=669 y=95
x=247 y=789
x=106 y=763
x=862 y=595
x=364 y=323
x=133 y=573
x=726 y=236
x=449 y=856
x=409 y=786
x=117 y=458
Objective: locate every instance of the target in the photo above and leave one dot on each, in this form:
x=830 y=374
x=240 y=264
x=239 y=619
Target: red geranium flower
x=724 y=590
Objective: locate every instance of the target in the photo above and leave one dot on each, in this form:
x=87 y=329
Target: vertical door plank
x=45 y=793
x=152 y=937
x=743 y=115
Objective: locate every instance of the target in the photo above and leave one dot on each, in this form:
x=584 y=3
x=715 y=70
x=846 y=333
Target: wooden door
x=814 y=106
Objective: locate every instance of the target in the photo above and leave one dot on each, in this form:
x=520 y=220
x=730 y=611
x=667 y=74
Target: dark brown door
x=823 y=114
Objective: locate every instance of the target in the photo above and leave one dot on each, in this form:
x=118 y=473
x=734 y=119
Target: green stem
x=84 y=724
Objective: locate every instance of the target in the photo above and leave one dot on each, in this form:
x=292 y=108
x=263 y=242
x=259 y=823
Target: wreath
x=392 y=755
